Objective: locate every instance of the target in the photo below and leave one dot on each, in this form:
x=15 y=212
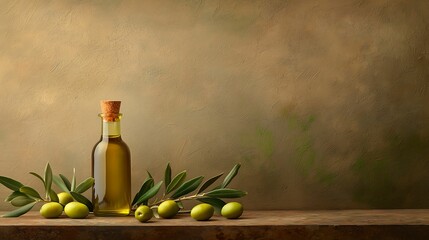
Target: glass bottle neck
x=110 y=128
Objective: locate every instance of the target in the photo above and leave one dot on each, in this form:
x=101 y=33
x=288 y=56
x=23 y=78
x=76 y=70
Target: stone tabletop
x=329 y=224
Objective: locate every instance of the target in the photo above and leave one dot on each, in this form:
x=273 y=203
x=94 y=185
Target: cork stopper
x=110 y=109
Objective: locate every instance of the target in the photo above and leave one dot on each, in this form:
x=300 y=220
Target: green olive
x=65 y=198
x=76 y=210
x=168 y=209
x=51 y=210
x=143 y=213
x=202 y=212
x=232 y=210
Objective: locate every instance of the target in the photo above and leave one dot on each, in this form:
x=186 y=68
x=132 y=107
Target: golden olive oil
x=111 y=169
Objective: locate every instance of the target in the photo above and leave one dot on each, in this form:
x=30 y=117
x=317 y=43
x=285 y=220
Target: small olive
x=202 y=212
x=76 y=210
x=51 y=210
x=143 y=213
x=232 y=210
x=65 y=198
x=168 y=209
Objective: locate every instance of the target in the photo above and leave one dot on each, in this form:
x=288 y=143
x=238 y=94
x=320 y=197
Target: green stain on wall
x=259 y=145
x=298 y=151
x=305 y=154
x=265 y=142
x=305 y=158
x=395 y=175
x=325 y=177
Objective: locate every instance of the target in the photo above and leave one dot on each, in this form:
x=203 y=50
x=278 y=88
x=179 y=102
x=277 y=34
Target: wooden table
x=341 y=224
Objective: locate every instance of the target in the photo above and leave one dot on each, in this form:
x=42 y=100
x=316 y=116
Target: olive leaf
x=147 y=184
x=167 y=175
x=22 y=201
x=230 y=176
x=208 y=183
x=215 y=202
x=30 y=192
x=226 y=193
x=148 y=173
x=150 y=193
x=73 y=183
x=10 y=183
x=82 y=199
x=20 y=211
x=14 y=195
x=155 y=212
x=66 y=181
x=60 y=183
x=176 y=182
x=53 y=196
x=38 y=176
x=85 y=185
x=48 y=179
x=187 y=187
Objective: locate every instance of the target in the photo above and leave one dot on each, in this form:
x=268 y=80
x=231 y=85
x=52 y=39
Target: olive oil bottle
x=111 y=166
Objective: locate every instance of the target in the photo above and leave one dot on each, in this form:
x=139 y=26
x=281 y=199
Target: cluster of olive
x=66 y=203
x=201 y=212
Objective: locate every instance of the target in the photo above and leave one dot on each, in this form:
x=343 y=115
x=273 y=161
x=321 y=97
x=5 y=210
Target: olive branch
x=25 y=197
x=176 y=188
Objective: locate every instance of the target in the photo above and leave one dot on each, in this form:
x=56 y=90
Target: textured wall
x=325 y=103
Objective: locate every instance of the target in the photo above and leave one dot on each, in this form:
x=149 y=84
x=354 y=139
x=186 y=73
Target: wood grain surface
x=338 y=224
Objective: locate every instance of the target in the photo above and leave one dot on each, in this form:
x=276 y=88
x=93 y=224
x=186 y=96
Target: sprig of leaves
x=26 y=197
x=147 y=184
x=187 y=187
x=176 y=182
x=75 y=191
x=178 y=187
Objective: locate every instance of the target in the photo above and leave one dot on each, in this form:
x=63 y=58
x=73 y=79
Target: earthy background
x=325 y=103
